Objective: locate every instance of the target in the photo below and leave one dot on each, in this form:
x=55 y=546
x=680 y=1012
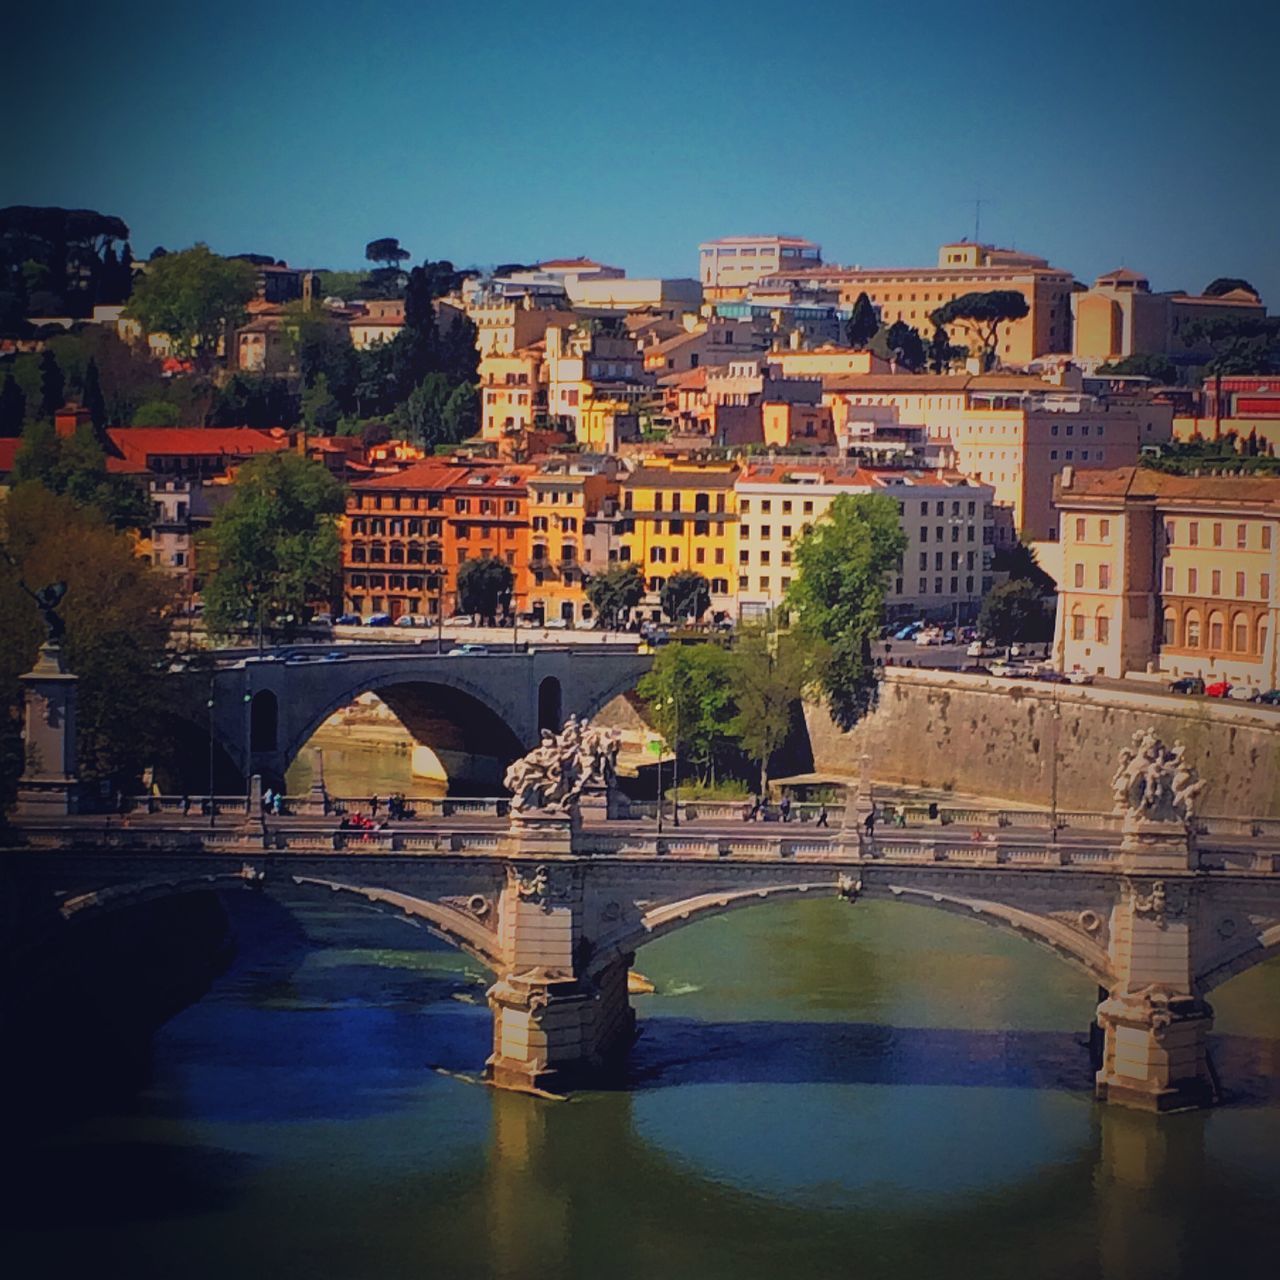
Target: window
x=1191 y=630
x=1240 y=633
x=924 y=533
x=1168 y=578
x=1242 y=536
x=1079 y=575
x=1102 y=625
x=1215 y=580
x=1217 y=534
x=1104 y=529
x=1193 y=533
x=1170 y=528
x=1217 y=627
x=1266 y=537
x=766 y=531
x=1170 y=627
x=1104 y=576
x=1239 y=586
x=1264 y=586
x=1193 y=581
x=1077 y=626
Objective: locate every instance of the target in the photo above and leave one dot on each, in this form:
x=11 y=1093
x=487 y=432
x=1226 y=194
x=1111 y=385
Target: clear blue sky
x=1101 y=134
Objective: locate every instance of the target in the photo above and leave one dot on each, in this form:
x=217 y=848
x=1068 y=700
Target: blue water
x=818 y=1090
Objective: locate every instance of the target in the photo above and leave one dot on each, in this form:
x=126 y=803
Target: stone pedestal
x=49 y=784
x=1148 y=846
x=1154 y=1052
x=316 y=800
x=540 y=833
x=602 y=803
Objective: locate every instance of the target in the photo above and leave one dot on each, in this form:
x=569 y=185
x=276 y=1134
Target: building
x=726 y=267
x=681 y=514
x=596 y=361
x=912 y=294
x=573 y=503
x=1120 y=317
x=513 y=393
x=1175 y=574
x=947 y=519
x=725 y=404
x=505 y=325
x=380 y=320
x=617 y=294
x=713 y=341
x=1249 y=406
x=405 y=535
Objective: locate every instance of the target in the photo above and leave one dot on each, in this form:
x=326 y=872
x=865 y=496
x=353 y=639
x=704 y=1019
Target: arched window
x=1217 y=631
x=1240 y=633
x=1191 y=630
x=1102 y=627
x=1262 y=636
x=1077 y=625
x=1170 y=635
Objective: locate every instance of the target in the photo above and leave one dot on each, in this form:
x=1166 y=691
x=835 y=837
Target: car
x=978 y=649
x=930 y=635
x=322 y=619
x=969 y=634
x=467 y=650
x=347 y=620
x=976 y=669
x=335 y=655
x=907 y=632
x=1048 y=675
x=411 y=620
x=1218 y=689
x=1243 y=693
x=1187 y=684
x=1079 y=676
x=1271 y=698
x=378 y=620
x=948 y=637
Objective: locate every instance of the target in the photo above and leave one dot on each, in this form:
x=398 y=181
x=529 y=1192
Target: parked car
x=335 y=655
x=976 y=669
x=378 y=620
x=1187 y=684
x=1243 y=693
x=412 y=620
x=1079 y=676
x=969 y=634
x=929 y=635
x=909 y=631
x=948 y=637
x=467 y=650
x=1049 y=675
x=322 y=619
x=979 y=649
x=1218 y=689
x=347 y=620
x=1271 y=697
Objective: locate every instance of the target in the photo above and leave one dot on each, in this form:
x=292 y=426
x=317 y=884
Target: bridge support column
x=554 y=1025
x=1154 y=1025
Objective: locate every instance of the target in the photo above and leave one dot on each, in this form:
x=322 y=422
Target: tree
x=942 y=352
x=115 y=611
x=320 y=411
x=13 y=408
x=387 y=251
x=53 y=384
x=1022 y=565
x=1015 y=611
x=862 y=323
x=274 y=545
x=195 y=297
x=615 y=591
x=842 y=564
x=1228 y=284
x=769 y=672
x=96 y=405
x=250 y=400
x=690 y=698
x=901 y=344
x=687 y=594
x=483 y=585
x=982 y=314
x=424 y=411
x=1139 y=365
x=461 y=416
x=157 y=413
x=1237 y=344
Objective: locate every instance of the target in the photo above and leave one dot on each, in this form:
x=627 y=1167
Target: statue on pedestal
x=553 y=776
x=1154 y=783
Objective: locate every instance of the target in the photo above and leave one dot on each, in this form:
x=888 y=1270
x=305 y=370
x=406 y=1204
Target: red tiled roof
x=139 y=443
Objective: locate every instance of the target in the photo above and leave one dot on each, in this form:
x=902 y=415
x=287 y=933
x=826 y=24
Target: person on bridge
x=373 y=806
x=784 y=808
x=822 y=816
x=870 y=824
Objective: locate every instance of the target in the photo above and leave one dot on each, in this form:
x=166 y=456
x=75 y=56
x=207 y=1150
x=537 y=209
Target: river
x=819 y=1090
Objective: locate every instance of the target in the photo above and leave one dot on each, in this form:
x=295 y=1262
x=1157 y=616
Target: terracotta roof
x=688 y=380
x=1122 y=273
x=9 y=446
x=435 y=473
x=885 y=383
x=1141 y=482
x=660 y=478
x=139 y=443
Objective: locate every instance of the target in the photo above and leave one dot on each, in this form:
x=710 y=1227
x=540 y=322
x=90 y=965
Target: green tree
x=320 y=411
x=942 y=352
x=1227 y=284
x=13 y=408
x=274 y=545
x=1015 y=611
x=982 y=314
x=96 y=404
x=195 y=297
x=116 y=615
x=250 y=400
x=157 y=413
x=1022 y=565
x=53 y=385
x=387 y=251
x=483 y=585
x=902 y=344
x=423 y=412
x=686 y=595
x=1237 y=344
x=862 y=324
x=842 y=565
x=769 y=671
x=461 y=415
x=1140 y=365
x=690 y=698
x=614 y=592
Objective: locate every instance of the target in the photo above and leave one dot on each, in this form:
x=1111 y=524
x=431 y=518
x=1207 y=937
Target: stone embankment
x=982 y=735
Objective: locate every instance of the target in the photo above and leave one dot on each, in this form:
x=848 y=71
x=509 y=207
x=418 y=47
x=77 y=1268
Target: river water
x=819 y=1090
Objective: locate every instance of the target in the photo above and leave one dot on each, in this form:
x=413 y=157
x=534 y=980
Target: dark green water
x=822 y=1091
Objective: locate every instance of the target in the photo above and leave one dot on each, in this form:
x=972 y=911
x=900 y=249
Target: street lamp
x=209 y=706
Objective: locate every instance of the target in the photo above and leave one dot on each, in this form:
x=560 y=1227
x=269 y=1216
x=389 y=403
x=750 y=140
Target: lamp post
x=248 y=736
x=209 y=707
x=1053 y=771
x=675 y=767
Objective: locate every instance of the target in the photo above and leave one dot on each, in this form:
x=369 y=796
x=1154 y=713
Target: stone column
x=49 y=784
x=1154 y=1024
x=553 y=1026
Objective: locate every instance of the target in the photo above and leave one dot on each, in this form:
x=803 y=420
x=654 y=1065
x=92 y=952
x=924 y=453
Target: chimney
x=69 y=418
x=1068 y=475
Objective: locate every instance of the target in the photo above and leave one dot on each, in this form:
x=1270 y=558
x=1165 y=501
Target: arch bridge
x=557 y=909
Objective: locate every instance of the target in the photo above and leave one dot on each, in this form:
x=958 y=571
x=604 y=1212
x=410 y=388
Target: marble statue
x=552 y=777
x=1155 y=783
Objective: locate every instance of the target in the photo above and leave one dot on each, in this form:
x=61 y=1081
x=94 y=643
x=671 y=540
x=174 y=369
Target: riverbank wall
x=981 y=735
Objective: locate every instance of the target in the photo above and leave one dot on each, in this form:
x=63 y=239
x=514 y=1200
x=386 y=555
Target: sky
x=1097 y=134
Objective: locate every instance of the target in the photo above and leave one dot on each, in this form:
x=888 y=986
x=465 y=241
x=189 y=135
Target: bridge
x=557 y=910
x=483 y=709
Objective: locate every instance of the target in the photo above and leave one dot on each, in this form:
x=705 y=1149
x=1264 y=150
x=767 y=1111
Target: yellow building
x=679 y=514
x=1175 y=573
x=513 y=397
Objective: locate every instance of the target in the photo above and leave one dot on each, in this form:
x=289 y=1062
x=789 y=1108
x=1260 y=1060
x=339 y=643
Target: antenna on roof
x=978 y=202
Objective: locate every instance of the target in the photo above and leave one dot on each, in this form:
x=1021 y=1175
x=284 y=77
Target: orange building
x=405 y=535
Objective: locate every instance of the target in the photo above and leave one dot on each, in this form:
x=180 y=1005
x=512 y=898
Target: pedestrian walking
x=373 y=806
x=784 y=808
x=869 y=823
x=822 y=816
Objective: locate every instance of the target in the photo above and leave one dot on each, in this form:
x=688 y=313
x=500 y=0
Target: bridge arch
x=1068 y=944
x=1253 y=951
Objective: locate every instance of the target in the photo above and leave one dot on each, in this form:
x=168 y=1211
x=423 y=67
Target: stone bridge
x=485 y=708
x=558 y=909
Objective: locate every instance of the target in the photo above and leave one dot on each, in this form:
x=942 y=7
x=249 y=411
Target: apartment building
x=405 y=535
x=946 y=517
x=911 y=294
x=505 y=325
x=591 y=364
x=726 y=267
x=1172 y=573
x=681 y=514
x=513 y=393
x=573 y=506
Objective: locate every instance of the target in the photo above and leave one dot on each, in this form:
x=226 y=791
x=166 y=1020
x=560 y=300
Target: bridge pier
x=1155 y=1026
x=554 y=1024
